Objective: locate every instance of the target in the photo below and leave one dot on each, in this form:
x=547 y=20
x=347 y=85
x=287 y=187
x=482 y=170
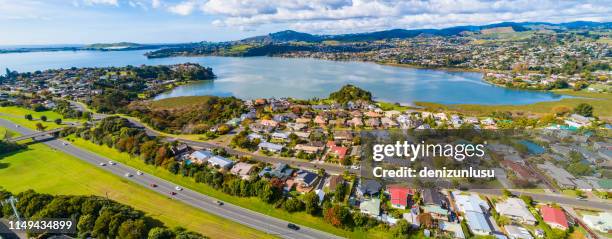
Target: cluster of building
x=81 y=83
x=533 y=80
x=473 y=52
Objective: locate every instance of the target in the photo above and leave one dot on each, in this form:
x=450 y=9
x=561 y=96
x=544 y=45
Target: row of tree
x=95 y=217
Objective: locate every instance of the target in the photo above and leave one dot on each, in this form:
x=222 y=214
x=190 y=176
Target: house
x=372 y=114
x=435 y=204
x=280 y=171
x=310 y=149
x=578 y=121
x=302 y=120
x=321 y=107
x=221 y=162
x=453 y=228
x=334 y=180
x=601 y=222
x=517 y=210
x=270 y=147
x=440 y=116
x=320 y=120
x=306 y=178
x=338 y=151
x=253 y=136
x=280 y=136
x=475 y=211
x=200 y=156
x=563 y=178
x=270 y=123
x=388 y=123
x=517 y=232
x=179 y=149
x=392 y=113
x=399 y=195
x=370 y=207
x=297 y=126
x=368 y=187
x=456 y=120
x=260 y=128
x=472 y=120
x=488 y=121
x=519 y=170
x=373 y=122
x=355 y=122
x=343 y=135
x=554 y=217
x=243 y=170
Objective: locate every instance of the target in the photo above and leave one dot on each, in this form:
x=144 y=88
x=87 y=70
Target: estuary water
x=255 y=77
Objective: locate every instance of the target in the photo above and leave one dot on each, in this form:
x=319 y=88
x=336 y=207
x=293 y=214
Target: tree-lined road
x=240 y=215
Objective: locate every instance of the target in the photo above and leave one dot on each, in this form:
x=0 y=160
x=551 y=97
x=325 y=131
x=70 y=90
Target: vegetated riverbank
x=600 y=101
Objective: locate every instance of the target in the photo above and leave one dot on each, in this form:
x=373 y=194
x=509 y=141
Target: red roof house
x=555 y=217
x=339 y=151
x=399 y=195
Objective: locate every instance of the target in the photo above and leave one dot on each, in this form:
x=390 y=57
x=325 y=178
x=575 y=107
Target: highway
x=240 y=215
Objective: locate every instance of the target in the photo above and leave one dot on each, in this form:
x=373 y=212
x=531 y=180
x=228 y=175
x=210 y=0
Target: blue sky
x=157 y=21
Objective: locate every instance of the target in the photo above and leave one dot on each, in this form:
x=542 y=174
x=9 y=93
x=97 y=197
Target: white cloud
x=156 y=3
x=184 y=8
x=102 y=2
x=337 y=16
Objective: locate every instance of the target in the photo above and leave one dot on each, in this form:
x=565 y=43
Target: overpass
x=34 y=135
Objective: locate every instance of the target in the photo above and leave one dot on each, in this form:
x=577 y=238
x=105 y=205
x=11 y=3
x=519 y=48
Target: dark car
x=293 y=226
x=172 y=193
x=153 y=185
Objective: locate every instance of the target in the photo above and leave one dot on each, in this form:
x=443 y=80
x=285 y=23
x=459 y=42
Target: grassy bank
x=17 y=115
x=254 y=204
x=48 y=171
x=600 y=102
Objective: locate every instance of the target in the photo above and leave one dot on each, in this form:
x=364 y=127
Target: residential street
x=247 y=217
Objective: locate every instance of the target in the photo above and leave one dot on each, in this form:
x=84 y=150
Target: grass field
x=600 y=102
x=17 y=115
x=48 y=171
x=254 y=204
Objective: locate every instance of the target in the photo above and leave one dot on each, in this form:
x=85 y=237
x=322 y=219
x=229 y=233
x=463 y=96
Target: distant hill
x=293 y=36
x=109 y=46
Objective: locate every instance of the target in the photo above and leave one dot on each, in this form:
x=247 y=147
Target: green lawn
x=17 y=115
x=254 y=204
x=49 y=171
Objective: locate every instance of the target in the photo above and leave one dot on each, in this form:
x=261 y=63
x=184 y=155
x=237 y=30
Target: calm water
x=301 y=78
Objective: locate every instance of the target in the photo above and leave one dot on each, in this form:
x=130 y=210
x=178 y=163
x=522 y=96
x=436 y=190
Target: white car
x=138 y=172
x=111 y=163
x=64 y=143
x=128 y=175
x=102 y=164
x=178 y=188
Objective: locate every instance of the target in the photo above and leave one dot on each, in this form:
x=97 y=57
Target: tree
x=43 y=118
x=401 y=229
x=311 y=203
x=58 y=121
x=28 y=117
x=584 y=109
x=503 y=220
x=336 y=215
x=527 y=199
x=160 y=233
x=293 y=205
x=131 y=229
x=40 y=127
